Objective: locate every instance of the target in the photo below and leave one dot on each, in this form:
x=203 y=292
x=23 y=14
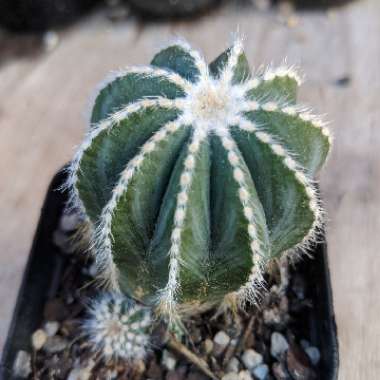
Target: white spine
x=233 y=59
x=169 y=293
x=294 y=111
x=249 y=291
x=144 y=71
x=271 y=74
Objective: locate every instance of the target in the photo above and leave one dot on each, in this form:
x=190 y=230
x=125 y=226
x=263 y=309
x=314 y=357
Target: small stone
x=208 y=346
x=79 y=374
x=233 y=365
x=313 y=354
x=245 y=375
x=298 y=364
x=261 y=372
x=280 y=372
x=231 y=376
x=69 y=222
x=279 y=345
x=221 y=341
x=22 y=365
x=55 y=344
x=251 y=359
x=51 y=328
x=39 y=338
x=168 y=360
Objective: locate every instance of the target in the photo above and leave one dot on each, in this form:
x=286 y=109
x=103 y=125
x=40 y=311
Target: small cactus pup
x=194 y=177
x=117 y=327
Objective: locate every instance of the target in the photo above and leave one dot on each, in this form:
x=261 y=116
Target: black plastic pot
x=171 y=8
x=316 y=4
x=39 y=285
x=40 y=15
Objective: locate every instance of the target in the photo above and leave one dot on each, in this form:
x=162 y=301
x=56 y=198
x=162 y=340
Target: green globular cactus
x=117 y=327
x=194 y=176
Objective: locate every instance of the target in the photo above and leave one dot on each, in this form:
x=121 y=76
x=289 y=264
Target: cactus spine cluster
x=117 y=327
x=194 y=176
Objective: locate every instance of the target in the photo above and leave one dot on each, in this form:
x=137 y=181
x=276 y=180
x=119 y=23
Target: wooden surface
x=42 y=103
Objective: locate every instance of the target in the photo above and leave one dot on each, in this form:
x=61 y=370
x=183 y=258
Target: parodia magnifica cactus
x=193 y=177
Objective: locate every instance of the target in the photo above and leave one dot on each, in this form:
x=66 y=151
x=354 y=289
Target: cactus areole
x=194 y=176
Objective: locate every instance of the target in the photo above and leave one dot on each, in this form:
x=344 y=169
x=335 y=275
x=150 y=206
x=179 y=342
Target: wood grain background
x=42 y=118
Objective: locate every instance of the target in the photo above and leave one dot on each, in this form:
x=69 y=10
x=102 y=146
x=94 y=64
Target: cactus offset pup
x=194 y=176
x=117 y=327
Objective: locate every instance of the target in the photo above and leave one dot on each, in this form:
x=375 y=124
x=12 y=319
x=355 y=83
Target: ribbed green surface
x=215 y=255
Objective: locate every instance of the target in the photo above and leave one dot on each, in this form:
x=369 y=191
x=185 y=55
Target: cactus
x=194 y=176
x=117 y=327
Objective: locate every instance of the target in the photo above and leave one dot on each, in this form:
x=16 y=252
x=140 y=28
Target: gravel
x=257 y=344
x=251 y=359
x=221 y=341
x=261 y=372
x=51 y=328
x=55 y=344
x=233 y=365
x=169 y=361
x=279 y=345
x=22 y=365
x=39 y=338
x=313 y=354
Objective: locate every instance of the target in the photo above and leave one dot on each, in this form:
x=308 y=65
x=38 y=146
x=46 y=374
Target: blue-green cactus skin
x=194 y=177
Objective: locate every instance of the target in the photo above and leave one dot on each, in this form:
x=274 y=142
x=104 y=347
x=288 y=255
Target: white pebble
x=313 y=354
x=22 y=365
x=168 y=360
x=231 y=376
x=279 y=345
x=261 y=372
x=245 y=375
x=222 y=339
x=51 y=328
x=39 y=338
x=79 y=374
x=233 y=365
x=251 y=359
